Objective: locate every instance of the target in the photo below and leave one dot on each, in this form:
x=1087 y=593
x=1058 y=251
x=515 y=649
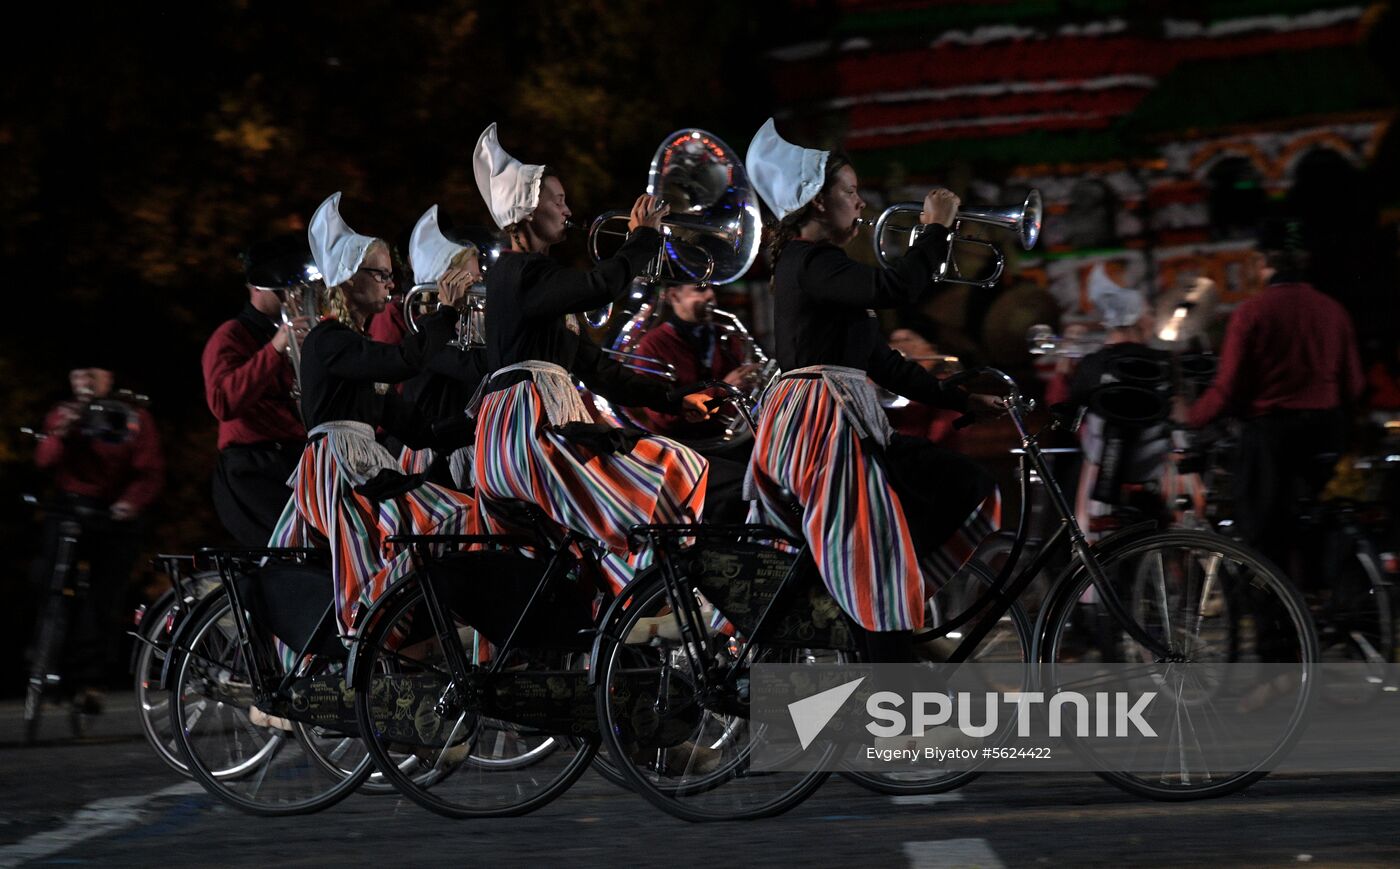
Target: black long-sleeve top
x=824 y=313
x=339 y=368
x=527 y=297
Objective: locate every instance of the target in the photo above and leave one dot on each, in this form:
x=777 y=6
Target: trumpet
x=1023 y=220
x=422 y=299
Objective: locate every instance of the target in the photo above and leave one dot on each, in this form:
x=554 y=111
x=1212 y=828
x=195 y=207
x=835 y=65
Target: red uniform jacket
x=389 y=326
x=248 y=386
x=1288 y=348
x=665 y=342
x=133 y=471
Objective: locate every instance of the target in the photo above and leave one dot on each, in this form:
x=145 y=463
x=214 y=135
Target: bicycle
x=156 y=625
x=485 y=686
x=701 y=675
x=267 y=730
x=1352 y=603
x=67 y=585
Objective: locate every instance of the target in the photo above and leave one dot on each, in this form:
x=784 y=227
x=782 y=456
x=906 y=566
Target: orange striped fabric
x=813 y=478
x=520 y=458
x=325 y=511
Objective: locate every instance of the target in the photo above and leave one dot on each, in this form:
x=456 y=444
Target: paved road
x=107 y=801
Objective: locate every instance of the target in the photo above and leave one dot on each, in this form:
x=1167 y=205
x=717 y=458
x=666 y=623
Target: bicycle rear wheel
x=461 y=763
x=152 y=700
x=1214 y=602
x=243 y=757
x=1008 y=643
x=688 y=752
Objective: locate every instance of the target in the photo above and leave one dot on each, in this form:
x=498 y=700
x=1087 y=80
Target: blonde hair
x=460 y=258
x=334 y=303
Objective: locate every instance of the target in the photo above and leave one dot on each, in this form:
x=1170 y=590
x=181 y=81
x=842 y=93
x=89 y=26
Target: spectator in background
x=103 y=455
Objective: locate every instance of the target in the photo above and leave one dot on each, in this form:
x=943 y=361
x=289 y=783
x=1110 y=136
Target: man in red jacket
x=698 y=350
x=103 y=454
x=1289 y=368
x=248 y=381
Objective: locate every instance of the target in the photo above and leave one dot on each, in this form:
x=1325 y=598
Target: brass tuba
x=713 y=232
x=1023 y=220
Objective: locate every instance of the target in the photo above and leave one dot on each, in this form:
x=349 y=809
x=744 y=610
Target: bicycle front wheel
x=1228 y=617
x=244 y=756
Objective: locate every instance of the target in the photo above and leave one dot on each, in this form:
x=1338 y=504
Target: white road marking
x=928 y=799
x=952 y=852
x=98 y=818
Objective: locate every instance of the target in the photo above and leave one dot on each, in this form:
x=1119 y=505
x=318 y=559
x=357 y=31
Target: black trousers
x=937 y=488
x=1284 y=457
x=250 y=488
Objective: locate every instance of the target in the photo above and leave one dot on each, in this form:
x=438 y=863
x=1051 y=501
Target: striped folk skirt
x=519 y=457
x=814 y=478
x=808 y=456
x=326 y=511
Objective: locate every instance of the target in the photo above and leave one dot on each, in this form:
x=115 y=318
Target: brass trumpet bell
x=901 y=220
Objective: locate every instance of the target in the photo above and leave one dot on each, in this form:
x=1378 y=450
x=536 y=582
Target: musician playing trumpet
x=248 y=385
x=348 y=492
x=696 y=349
x=535 y=441
x=871 y=502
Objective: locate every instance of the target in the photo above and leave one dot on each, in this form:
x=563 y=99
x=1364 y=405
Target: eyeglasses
x=383 y=276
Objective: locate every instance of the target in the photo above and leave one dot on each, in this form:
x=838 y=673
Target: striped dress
x=813 y=478
x=521 y=457
x=326 y=511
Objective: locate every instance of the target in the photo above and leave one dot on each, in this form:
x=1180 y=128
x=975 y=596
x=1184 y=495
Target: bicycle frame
x=684 y=605
x=999 y=595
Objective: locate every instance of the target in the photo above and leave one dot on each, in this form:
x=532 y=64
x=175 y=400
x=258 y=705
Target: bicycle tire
x=202 y=658
x=152 y=711
x=374 y=655
x=1020 y=629
x=1074 y=583
x=646 y=593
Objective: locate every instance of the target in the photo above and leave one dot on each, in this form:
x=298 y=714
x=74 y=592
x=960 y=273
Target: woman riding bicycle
x=348 y=492
x=870 y=502
x=535 y=440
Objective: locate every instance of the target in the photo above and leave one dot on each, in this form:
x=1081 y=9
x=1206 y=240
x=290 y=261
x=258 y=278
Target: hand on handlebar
x=983 y=407
x=696 y=407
